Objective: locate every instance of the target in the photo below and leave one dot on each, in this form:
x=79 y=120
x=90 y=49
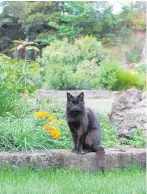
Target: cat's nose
x=74 y=108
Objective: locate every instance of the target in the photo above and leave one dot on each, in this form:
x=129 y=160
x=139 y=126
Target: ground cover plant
x=61 y=181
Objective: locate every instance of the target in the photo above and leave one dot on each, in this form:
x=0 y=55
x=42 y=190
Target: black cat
x=84 y=127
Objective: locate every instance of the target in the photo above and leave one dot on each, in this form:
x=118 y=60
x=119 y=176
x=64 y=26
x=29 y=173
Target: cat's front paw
x=80 y=152
x=74 y=151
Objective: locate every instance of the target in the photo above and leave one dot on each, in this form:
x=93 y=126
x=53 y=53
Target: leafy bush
x=87 y=73
x=108 y=73
x=61 y=77
x=58 y=77
x=19 y=76
x=128 y=79
x=72 y=66
x=62 y=52
x=79 y=66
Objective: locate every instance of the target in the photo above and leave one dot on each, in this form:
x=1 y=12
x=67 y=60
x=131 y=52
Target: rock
x=144 y=95
x=129 y=111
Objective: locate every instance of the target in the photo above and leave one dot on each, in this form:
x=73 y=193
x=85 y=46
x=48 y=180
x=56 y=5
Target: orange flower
x=49 y=128
x=53 y=131
x=55 y=134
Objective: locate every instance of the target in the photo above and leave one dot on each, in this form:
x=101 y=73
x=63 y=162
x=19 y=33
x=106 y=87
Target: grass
x=8 y=100
x=61 y=181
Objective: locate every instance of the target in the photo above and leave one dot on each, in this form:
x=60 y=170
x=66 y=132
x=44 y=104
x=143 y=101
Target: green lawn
x=61 y=181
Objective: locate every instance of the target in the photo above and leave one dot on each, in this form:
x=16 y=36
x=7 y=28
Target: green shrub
x=86 y=76
x=127 y=79
x=72 y=66
x=62 y=52
x=61 y=77
x=90 y=71
x=20 y=76
x=108 y=73
x=80 y=82
x=58 y=77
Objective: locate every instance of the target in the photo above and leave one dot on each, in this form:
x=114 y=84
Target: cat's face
x=75 y=104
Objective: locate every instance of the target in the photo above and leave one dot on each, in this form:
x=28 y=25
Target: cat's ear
x=69 y=96
x=81 y=96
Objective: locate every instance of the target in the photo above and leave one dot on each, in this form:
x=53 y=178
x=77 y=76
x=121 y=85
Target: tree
x=10 y=29
x=37 y=18
x=56 y=20
x=73 y=18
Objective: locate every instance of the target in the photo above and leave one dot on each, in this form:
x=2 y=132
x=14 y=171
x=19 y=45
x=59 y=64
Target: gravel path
x=100 y=100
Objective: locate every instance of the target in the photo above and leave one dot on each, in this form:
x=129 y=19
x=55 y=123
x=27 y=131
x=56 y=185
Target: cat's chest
x=74 y=126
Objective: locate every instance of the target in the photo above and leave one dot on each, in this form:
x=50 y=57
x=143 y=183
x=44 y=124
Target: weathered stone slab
x=65 y=158
x=94 y=94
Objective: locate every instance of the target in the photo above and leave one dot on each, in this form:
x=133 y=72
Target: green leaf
x=20 y=42
x=13 y=49
x=33 y=47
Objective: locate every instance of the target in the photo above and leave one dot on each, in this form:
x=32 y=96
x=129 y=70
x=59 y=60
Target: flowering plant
x=53 y=131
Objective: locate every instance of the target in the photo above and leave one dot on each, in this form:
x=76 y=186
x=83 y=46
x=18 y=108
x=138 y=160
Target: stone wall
x=114 y=158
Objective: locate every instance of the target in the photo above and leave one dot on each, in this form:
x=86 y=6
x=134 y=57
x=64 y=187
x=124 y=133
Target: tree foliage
x=48 y=21
x=10 y=29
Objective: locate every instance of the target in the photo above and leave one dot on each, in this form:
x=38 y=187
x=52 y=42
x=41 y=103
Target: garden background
x=68 y=45
x=83 y=45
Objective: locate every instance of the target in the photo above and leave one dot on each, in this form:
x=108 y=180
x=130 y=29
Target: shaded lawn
x=62 y=181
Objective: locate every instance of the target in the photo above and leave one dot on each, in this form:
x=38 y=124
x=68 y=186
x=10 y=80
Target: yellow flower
x=55 y=121
x=47 y=115
x=55 y=134
x=38 y=115
x=43 y=115
x=49 y=128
